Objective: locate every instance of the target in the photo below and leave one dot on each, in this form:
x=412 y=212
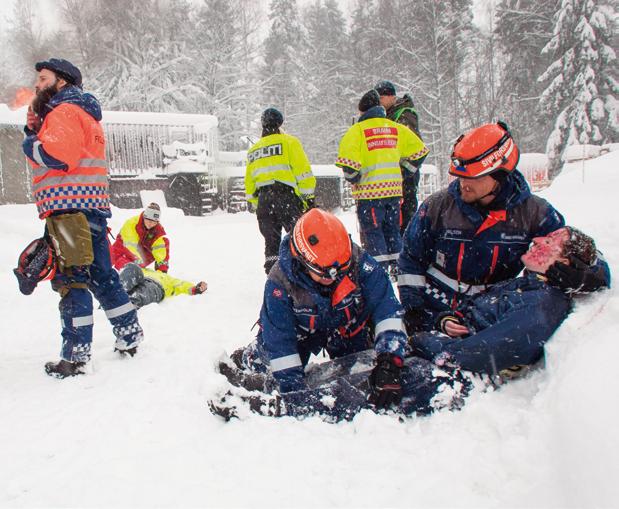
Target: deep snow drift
x=137 y=432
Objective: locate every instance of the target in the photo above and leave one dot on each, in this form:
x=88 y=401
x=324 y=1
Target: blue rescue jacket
x=453 y=249
x=510 y=324
x=299 y=316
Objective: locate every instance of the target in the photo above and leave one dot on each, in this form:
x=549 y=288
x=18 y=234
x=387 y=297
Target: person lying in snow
x=504 y=328
x=146 y=286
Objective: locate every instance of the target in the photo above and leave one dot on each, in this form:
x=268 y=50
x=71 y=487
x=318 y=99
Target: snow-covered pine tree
x=282 y=84
x=523 y=28
x=582 y=91
x=363 y=41
x=141 y=62
x=327 y=72
x=431 y=40
x=221 y=71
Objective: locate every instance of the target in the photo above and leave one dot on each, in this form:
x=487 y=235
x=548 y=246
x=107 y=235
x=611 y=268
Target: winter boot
x=129 y=351
x=64 y=369
x=244 y=379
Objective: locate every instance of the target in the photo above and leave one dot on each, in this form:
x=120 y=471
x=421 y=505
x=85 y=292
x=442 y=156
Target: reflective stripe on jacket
x=278 y=158
x=373 y=147
x=68 y=156
x=137 y=244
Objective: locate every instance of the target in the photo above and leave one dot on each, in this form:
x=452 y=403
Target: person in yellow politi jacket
x=146 y=286
x=370 y=154
x=279 y=183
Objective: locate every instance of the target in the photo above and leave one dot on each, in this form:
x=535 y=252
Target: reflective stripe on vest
x=267 y=169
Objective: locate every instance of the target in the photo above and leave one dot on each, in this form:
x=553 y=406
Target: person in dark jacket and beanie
x=472 y=235
x=279 y=183
x=402 y=110
x=65 y=146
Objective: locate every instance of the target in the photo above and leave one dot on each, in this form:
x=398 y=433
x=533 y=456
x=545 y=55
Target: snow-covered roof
x=200 y=122
x=579 y=152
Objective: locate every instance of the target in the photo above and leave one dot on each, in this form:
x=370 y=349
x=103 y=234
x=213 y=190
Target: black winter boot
x=130 y=351
x=64 y=369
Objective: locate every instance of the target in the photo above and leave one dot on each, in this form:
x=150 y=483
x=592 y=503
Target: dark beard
x=41 y=100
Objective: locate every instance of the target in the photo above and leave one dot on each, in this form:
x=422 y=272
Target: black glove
x=415 y=320
x=385 y=385
x=310 y=203
x=578 y=277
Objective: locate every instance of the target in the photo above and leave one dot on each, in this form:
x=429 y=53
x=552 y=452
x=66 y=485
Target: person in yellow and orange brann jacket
x=370 y=154
x=142 y=241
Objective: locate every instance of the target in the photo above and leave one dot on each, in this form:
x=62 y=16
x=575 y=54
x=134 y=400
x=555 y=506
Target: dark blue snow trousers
x=75 y=285
x=379 y=222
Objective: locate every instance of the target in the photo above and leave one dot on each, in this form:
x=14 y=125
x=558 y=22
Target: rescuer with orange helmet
x=468 y=237
x=325 y=292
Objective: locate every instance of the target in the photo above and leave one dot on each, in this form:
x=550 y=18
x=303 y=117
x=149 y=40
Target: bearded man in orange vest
x=65 y=146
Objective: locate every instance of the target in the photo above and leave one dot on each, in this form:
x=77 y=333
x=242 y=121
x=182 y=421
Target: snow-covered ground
x=137 y=432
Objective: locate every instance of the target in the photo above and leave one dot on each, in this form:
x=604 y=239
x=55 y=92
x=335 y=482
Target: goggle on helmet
x=484 y=150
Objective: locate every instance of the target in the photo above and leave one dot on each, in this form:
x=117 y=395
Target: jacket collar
x=374 y=112
x=74 y=95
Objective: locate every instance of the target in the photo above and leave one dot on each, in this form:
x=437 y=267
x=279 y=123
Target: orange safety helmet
x=321 y=243
x=484 y=150
x=36 y=263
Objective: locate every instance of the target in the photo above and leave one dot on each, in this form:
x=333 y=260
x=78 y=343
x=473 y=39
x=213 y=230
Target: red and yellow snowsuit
x=135 y=243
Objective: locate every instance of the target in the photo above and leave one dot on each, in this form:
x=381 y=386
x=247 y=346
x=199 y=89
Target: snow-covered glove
x=578 y=277
x=415 y=320
x=385 y=384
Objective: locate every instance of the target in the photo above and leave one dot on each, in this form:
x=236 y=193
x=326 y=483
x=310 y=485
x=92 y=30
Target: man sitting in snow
x=493 y=333
x=147 y=286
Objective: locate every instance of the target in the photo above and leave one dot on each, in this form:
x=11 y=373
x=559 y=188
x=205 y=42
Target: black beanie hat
x=63 y=68
x=369 y=100
x=385 y=87
x=272 y=118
